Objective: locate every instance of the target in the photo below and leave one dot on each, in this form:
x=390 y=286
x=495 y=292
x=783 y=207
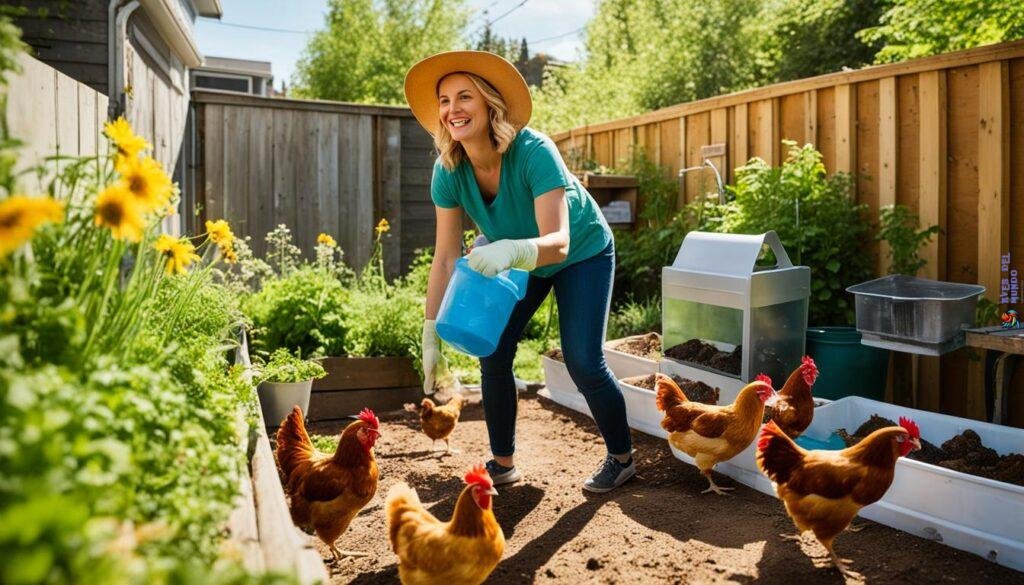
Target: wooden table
x=1009 y=344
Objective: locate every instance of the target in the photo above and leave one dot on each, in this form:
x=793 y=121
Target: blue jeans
x=582 y=291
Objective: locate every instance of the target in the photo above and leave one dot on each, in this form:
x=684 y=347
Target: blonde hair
x=502 y=130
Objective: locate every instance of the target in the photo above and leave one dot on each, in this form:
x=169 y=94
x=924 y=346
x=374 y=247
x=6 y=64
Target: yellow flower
x=21 y=215
x=180 y=253
x=383 y=226
x=326 y=240
x=128 y=144
x=147 y=181
x=229 y=256
x=220 y=232
x=116 y=209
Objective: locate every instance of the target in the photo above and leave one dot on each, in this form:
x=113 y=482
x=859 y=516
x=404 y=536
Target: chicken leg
x=448 y=449
x=340 y=554
x=713 y=487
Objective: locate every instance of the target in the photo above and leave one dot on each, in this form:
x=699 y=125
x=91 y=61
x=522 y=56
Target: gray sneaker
x=501 y=474
x=611 y=475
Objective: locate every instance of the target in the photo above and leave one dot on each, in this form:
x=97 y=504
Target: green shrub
x=816 y=219
x=385 y=322
x=304 y=311
x=635 y=317
x=898 y=227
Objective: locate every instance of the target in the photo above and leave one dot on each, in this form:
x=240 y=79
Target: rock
x=593 y=564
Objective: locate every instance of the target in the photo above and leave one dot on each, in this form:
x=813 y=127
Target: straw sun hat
x=423 y=77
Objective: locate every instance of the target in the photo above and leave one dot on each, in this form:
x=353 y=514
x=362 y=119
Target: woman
x=512 y=182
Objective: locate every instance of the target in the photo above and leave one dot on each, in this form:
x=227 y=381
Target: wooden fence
x=50 y=113
x=943 y=135
x=315 y=166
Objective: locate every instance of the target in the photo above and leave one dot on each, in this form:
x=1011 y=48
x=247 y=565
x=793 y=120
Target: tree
x=368 y=45
x=917 y=28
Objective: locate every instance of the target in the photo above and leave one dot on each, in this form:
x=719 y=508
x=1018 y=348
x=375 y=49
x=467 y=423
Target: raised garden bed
x=559 y=385
x=972 y=513
x=353 y=383
x=641 y=409
x=637 y=355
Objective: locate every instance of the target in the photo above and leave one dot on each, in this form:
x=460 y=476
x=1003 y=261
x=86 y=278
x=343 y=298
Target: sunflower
x=382 y=227
x=116 y=209
x=147 y=181
x=21 y=215
x=326 y=240
x=220 y=232
x=128 y=144
x=180 y=253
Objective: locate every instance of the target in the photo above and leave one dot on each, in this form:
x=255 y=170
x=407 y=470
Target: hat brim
x=422 y=79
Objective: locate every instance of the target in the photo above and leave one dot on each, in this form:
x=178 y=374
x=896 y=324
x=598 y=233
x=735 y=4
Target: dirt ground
x=657 y=528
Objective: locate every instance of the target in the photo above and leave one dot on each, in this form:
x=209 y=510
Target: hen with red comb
x=793 y=407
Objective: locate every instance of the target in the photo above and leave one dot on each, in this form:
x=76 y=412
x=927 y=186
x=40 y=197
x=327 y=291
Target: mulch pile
x=700 y=352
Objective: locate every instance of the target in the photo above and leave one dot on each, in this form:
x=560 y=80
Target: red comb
x=764 y=378
x=809 y=370
x=369 y=418
x=478 y=474
x=911 y=427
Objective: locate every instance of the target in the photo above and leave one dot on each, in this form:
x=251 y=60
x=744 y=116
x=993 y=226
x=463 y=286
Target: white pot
x=642 y=411
x=728 y=387
x=277 y=399
x=626 y=365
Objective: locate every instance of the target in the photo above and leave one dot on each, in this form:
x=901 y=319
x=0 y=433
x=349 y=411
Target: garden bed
x=701 y=353
x=641 y=408
x=633 y=356
x=964 y=511
x=352 y=383
x=656 y=529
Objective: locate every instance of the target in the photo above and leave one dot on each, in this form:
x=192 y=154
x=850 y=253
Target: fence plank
x=236 y=167
x=213 y=145
x=846 y=128
x=811 y=117
x=260 y=182
x=307 y=204
x=67 y=113
x=740 y=139
x=364 y=185
x=285 y=151
x=327 y=173
x=389 y=142
x=888 y=158
x=993 y=175
x=763 y=130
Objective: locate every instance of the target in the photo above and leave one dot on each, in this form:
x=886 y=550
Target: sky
x=536 y=20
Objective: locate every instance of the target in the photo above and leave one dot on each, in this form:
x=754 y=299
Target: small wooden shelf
x=607 y=188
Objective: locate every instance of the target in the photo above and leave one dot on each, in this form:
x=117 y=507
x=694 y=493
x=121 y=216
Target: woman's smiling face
x=462 y=108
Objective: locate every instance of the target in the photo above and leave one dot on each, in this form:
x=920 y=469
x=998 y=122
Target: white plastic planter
x=729 y=388
x=642 y=411
x=560 y=388
x=967 y=512
x=625 y=365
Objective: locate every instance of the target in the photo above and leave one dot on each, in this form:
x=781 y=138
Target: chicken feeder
x=716 y=292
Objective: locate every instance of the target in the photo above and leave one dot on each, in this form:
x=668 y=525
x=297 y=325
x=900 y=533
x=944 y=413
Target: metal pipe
x=718 y=176
x=117 y=25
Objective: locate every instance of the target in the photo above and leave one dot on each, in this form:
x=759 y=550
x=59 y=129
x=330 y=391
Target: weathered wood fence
x=943 y=135
x=317 y=167
x=50 y=113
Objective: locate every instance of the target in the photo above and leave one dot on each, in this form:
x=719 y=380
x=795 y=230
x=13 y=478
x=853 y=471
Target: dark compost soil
x=703 y=353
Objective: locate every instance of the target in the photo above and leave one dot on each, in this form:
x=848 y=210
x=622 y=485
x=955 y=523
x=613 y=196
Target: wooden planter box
x=352 y=383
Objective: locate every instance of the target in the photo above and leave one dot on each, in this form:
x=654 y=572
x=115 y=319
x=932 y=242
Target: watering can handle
x=771 y=239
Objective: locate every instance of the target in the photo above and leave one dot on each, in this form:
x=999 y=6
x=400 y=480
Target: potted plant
x=285 y=381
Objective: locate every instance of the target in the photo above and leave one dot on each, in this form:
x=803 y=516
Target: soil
x=964 y=453
x=657 y=528
x=555 y=354
x=695 y=391
x=647 y=346
x=700 y=352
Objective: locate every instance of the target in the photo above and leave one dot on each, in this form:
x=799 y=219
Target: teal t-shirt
x=530 y=167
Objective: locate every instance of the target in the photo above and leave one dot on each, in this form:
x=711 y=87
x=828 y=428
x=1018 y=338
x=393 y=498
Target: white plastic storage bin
x=560 y=388
x=967 y=512
x=625 y=365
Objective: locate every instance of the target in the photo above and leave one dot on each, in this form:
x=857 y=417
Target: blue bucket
x=476 y=308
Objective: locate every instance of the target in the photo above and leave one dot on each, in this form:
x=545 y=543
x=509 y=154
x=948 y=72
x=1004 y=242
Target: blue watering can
x=476 y=308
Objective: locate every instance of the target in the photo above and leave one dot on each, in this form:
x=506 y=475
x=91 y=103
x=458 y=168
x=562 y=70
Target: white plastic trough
x=560 y=388
x=967 y=512
x=625 y=365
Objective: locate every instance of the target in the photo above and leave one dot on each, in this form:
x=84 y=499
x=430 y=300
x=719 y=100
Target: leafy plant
x=284 y=367
x=304 y=311
x=816 y=219
x=898 y=227
x=635 y=317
